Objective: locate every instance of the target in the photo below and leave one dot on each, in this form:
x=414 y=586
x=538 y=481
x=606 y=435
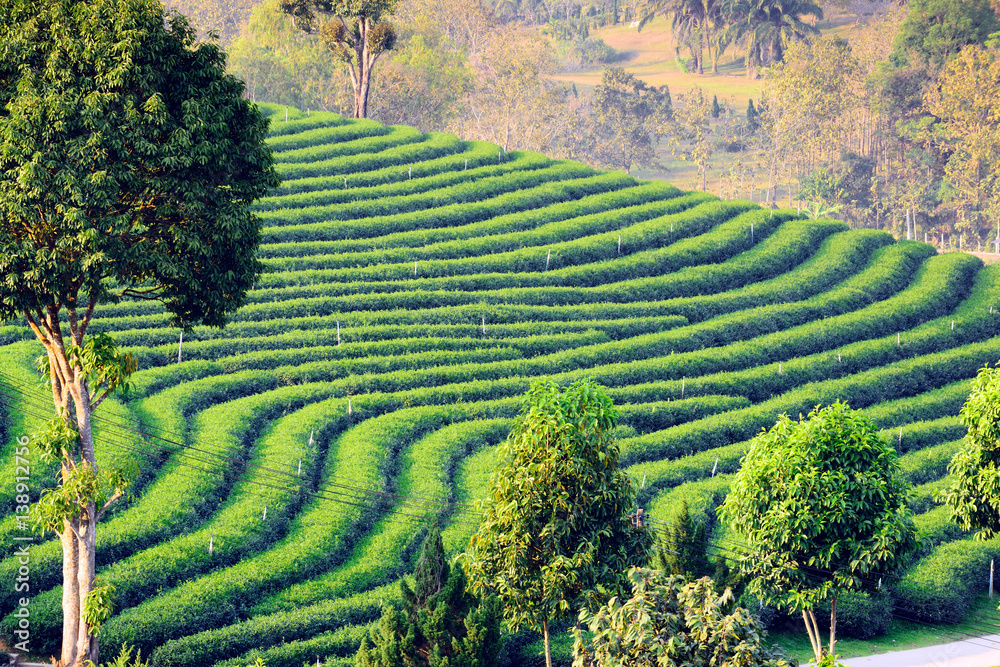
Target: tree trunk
x=833 y=625
x=772 y=180
x=813 y=630
x=86 y=530
x=71 y=594
x=548 y=648
x=86 y=644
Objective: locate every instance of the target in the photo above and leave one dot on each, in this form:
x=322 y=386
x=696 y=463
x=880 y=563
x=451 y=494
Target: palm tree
x=767 y=27
x=693 y=23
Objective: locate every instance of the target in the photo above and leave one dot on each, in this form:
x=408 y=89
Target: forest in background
x=887 y=124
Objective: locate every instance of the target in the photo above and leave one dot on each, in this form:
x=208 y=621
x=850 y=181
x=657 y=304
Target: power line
x=359 y=494
x=356 y=496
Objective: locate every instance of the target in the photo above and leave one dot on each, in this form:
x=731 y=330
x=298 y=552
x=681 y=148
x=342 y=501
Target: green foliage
x=555 y=526
x=187 y=133
x=936 y=30
x=668 y=620
x=630 y=118
x=98 y=607
x=941 y=587
x=972 y=496
x=849 y=517
x=440 y=623
x=685 y=547
x=125 y=659
x=833 y=459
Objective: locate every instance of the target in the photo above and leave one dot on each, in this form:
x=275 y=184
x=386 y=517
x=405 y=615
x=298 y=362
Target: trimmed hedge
x=362 y=140
x=940 y=588
x=435 y=144
x=320 y=254
x=319 y=538
x=336 y=193
x=464 y=192
x=212 y=646
x=474 y=153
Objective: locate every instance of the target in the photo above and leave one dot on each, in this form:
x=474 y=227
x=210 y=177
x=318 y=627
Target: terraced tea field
x=415 y=285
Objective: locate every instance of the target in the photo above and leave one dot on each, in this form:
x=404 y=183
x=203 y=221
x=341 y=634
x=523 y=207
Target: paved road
x=978 y=652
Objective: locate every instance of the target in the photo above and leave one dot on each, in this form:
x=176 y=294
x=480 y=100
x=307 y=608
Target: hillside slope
x=415 y=285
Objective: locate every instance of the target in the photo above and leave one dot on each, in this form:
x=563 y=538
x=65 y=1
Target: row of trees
x=820 y=504
x=894 y=125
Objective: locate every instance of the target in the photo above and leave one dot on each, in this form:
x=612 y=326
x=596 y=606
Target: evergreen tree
x=716 y=109
x=685 y=550
x=685 y=546
x=753 y=116
x=441 y=623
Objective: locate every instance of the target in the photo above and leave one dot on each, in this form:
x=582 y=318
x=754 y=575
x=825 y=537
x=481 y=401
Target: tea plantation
x=415 y=284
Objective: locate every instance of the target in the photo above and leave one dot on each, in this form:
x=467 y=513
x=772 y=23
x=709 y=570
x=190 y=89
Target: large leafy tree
x=965 y=100
x=629 y=119
x=556 y=523
x=934 y=31
x=767 y=27
x=822 y=505
x=128 y=163
x=356 y=32
x=974 y=495
x=441 y=623
x=666 y=620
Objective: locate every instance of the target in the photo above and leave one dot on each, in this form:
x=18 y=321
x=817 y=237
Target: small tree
x=822 y=505
x=693 y=140
x=128 y=163
x=974 y=495
x=684 y=551
x=356 y=33
x=685 y=546
x=441 y=623
x=667 y=620
x=555 y=525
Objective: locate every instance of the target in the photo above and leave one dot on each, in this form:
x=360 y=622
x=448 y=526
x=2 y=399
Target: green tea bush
x=940 y=587
x=362 y=140
x=335 y=192
x=634 y=198
x=474 y=154
x=474 y=191
x=212 y=646
x=435 y=145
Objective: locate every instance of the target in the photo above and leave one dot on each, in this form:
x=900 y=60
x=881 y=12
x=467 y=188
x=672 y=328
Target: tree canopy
x=441 y=623
x=974 y=495
x=936 y=30
x=822 y=505
x=629 y=118
x=556 y=525
x=667 y=620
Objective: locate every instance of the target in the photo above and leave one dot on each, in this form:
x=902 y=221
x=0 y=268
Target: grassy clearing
x=984 y=619
x=649 y=56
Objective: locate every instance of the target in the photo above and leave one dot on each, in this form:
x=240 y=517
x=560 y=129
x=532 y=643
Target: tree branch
x=115 y=496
